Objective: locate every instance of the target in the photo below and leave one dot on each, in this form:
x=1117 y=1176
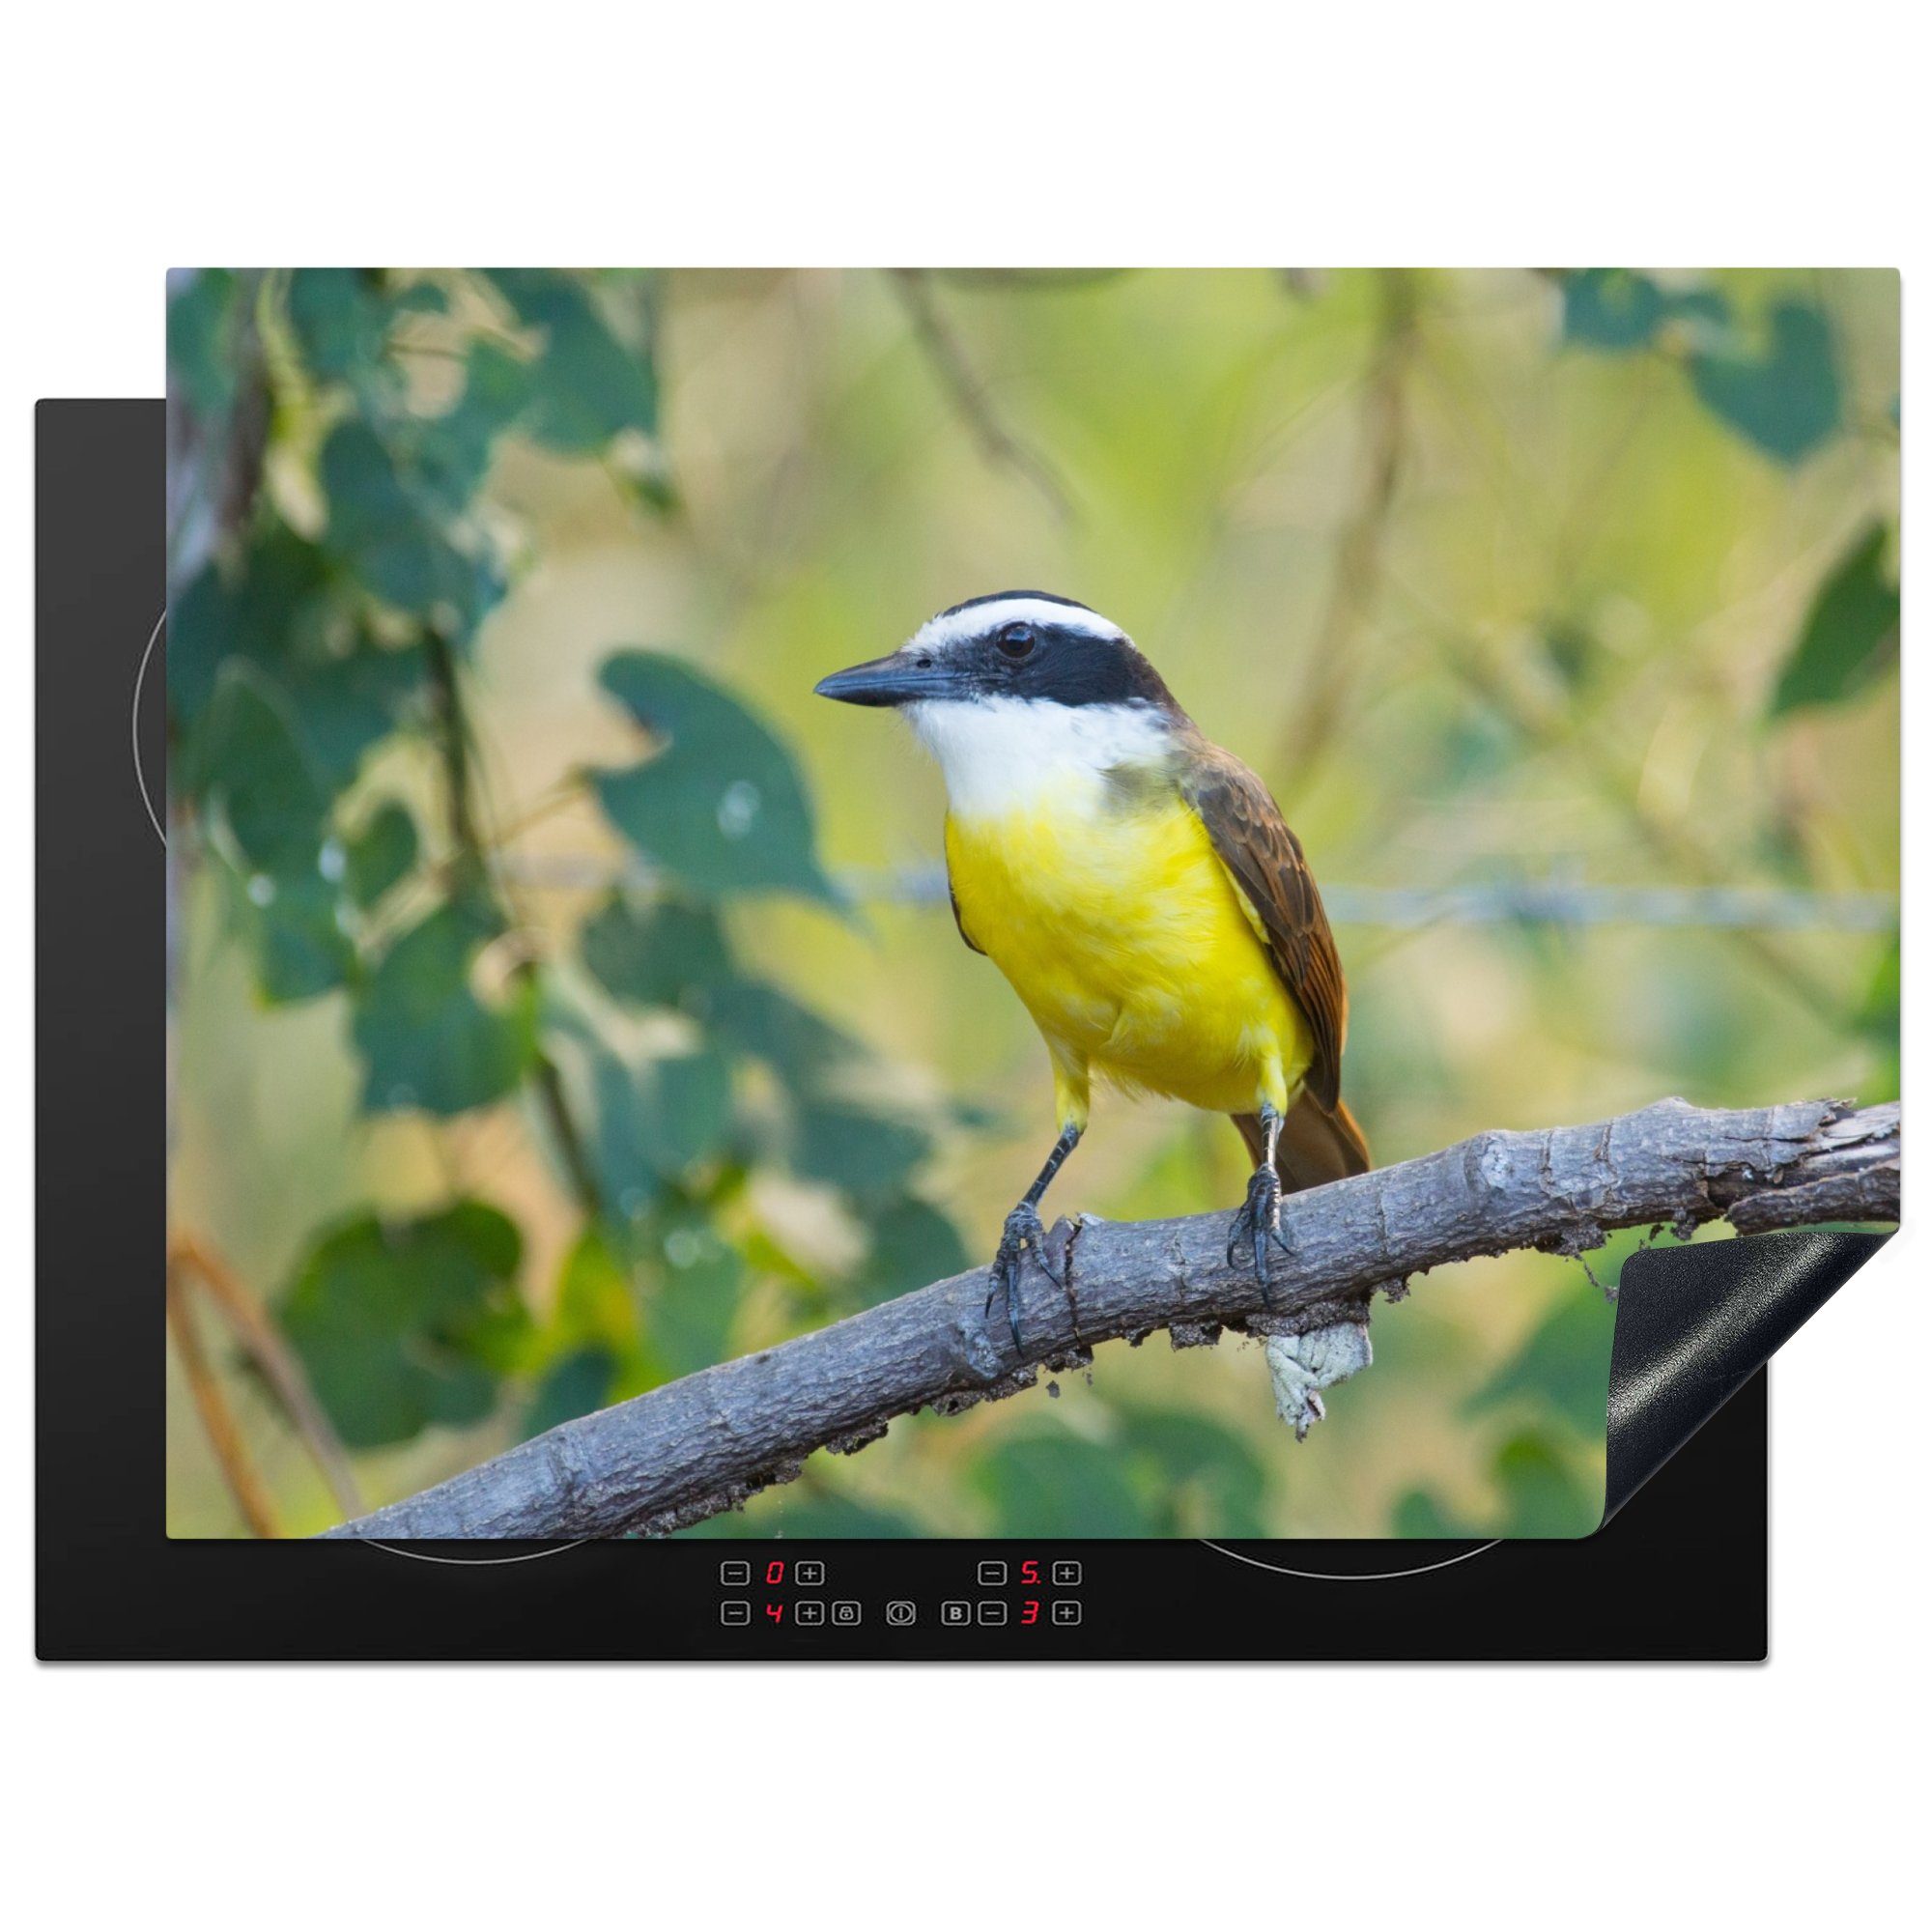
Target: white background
x=137 y=138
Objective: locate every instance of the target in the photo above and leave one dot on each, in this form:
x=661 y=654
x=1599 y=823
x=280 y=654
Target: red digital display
x=993 y=1608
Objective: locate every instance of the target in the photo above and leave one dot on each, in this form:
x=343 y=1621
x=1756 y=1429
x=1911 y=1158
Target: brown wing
x=1269 y=864
x=1317 y=1145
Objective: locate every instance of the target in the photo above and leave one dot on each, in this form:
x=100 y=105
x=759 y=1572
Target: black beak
x=899 y=679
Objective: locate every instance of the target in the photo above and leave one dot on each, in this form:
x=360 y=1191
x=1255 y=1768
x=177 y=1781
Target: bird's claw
x=1023 y=1235
x=1257 y=1222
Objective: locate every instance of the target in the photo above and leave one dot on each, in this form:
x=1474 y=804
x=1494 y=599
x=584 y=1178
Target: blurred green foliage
x=534 y=1050
x=323 y=630
x=1851 y=638
x=1775 y=380
x=406 y=1323
x=717 y=803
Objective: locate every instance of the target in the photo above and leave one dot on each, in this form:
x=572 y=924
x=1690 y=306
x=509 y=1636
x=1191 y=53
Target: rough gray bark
x=701 y=1446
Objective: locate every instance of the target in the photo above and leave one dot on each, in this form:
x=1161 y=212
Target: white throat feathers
x=1004 y=755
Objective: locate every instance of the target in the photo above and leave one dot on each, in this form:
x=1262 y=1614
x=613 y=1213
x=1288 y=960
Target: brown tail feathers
x=1315 y=1146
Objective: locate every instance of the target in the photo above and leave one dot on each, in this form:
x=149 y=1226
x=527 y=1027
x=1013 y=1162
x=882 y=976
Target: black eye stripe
x=1066 y=664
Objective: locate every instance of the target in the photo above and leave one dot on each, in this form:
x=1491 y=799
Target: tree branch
x=968 y=389
x=274 y=1359
x=1336 y=656
x=218 y=1419
x=701 y=1446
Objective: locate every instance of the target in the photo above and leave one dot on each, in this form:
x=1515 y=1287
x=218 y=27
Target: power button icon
x=900 y=1612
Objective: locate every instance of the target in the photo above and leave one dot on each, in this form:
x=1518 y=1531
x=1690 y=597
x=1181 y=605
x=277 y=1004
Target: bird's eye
x=1016 y=641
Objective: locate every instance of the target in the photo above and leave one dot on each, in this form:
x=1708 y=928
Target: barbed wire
x=1521 y=902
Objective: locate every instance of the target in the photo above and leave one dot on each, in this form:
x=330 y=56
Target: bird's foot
x=1022 y=1236
x=1257 y=1222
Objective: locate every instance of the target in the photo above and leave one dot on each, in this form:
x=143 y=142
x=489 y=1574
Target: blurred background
x=564 y=998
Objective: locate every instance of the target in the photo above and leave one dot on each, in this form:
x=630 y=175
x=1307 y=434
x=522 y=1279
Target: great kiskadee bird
x=1137 y=887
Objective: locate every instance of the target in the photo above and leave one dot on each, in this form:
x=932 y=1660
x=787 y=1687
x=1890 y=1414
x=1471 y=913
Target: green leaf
x=369 y=503
x=1420 y=1517
x=689 y=1310
x=339 y=702
x=1618 y=310
x=347 y=705
x=295 y=934
x=1612 y=308
x=1059 y=1486
x=426 y=1040
x=912 y=1243
x=690 y=1104
x=655 y=1122
x=1206 y=1479
x=766 y=1025
x=1782 y=392
x=1565 y=1364
x=382 y=855
x=387 y=523
x=664 y=953
x=203 y=633
x=495 y=389
x=284 y=615
x=400 y=1325
x=275 y=808
x=421 y=297
x=719 y=803
x=588 y=386
x=268 y=612
x=630 y=1179
x=1877 y=1020
x=1878 y=1011
x=865 y=1154
x=1850 y=638
x=1572 y=650
x=276 y=811
x=339 y=317
x=1543 y=1494
x=448 y=456
x=1785 y=396
x=203 y=322
x=595 y=1302
x=573 y=1385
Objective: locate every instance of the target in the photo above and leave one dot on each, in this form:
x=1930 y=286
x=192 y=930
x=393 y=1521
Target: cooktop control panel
x=810 y=1593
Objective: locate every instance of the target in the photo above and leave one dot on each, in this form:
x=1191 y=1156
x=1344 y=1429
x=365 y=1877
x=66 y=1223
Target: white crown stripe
x=958 y=627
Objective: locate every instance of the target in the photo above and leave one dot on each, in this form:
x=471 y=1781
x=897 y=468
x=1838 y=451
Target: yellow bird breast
x=1131 y=946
